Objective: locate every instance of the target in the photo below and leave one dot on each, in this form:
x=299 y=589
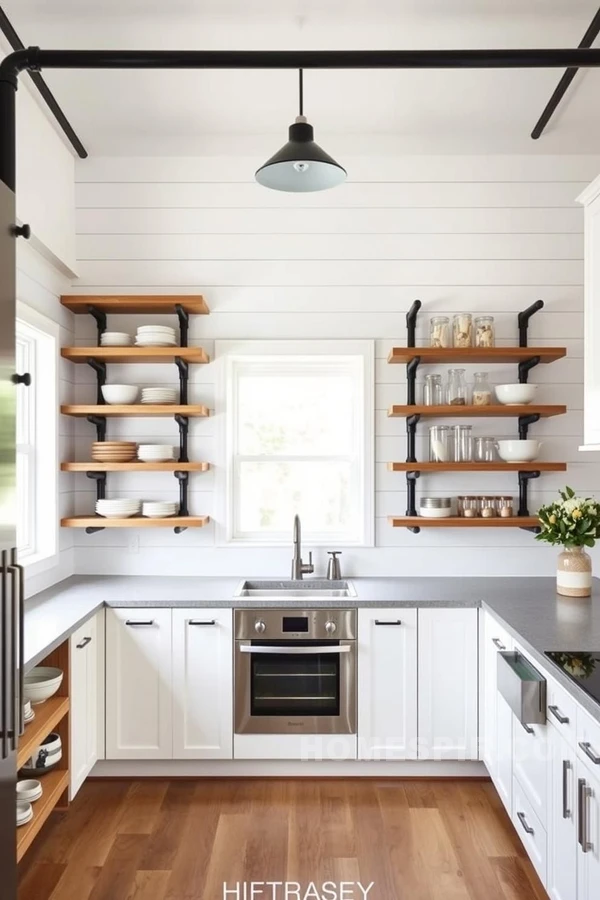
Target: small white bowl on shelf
x=44 y=757
x=159 y=509
x=29 y=790
x=120 y=393
x=41 y=683
x=518 y=451
x=516 y=394
x=24 y=812
x=118 y=509
x=155 y=453
x=115 y=339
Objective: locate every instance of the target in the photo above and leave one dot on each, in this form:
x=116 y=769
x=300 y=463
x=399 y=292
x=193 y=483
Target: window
x=299 y=437
x=36 y=432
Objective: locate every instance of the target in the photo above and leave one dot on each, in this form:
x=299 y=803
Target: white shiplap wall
x=480 y=234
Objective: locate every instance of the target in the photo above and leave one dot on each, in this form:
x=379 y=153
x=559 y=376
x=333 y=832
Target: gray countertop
x=529 y=607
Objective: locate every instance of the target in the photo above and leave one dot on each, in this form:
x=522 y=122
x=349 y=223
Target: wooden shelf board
x=460 y=522
x=54 y=784
x=135 y=467
x=499 y=466
x=135 y=409
x=135 y=303
x=135 y=522
x=477 y=412
x=431 y=355
x=135 y=354
x=47 y=717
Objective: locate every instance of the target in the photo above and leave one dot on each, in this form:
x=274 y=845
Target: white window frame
x=42 y=338
x=231 y=354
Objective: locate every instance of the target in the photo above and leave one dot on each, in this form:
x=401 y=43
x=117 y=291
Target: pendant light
x=301 y=165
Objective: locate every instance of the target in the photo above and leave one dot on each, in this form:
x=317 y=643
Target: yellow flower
x=552 y=520
x=576 y=513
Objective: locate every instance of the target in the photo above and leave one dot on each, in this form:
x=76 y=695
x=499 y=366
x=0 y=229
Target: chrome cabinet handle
x=523 y=821
x=4 y=661
x=528 y=728
x=566 y=812
x=294 y=651
x=84 y=643
x=583 y=792
x=590 y=752
x=498 y=643
x=135 y=622
x=390 y=622
x=564 y=720
x=16 y=694
x=202 y=621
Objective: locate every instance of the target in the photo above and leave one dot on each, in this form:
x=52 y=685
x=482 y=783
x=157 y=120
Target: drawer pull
x=498 y=643
x=84 y=643
x=202 y=621
x=528 y=728
x=590 y=752
x=136 y=622
x=566 y=812
x=523 y=821
x=388 y=622
x=583 y=792
x=564 y=720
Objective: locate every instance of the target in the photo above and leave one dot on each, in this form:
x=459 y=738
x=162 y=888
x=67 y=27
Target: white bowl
x=29 y=790
x=42 y=682
x=115 y=339
x=515 y=394
x=120 y=393
x=24 y=812
x=518 y=451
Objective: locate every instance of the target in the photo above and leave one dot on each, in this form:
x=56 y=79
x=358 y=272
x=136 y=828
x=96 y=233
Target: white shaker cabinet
x=387 y=684
x=590 y=199
x=86 y=691
x=494 y=638
x=562 y=824
x=203 y=683
x=139 y=722
x=448 y=683
x=588 y=846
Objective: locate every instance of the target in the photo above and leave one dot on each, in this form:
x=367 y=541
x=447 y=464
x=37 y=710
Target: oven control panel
x=295 y=624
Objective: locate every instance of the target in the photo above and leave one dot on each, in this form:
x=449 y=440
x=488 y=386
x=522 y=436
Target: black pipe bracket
x=100 y=318
x=411 y=322
x=525 y=367
x=100 y=423
x=523 y=320
x=525 y=422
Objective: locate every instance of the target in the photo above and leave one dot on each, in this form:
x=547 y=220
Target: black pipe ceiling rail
x=561 y=88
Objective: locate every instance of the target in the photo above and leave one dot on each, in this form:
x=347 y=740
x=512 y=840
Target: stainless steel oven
x=295 y=671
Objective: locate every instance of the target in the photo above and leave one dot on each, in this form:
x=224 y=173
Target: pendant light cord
x=301 y=90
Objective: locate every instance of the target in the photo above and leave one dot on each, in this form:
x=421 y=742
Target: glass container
x=462 y=330
x=433 y=392
x=482 y=392
x=487 y=507
x=484 y=449
x=456 y=389
x=470 y=507
x=439 y=443
x=485 y=335
x=462 y=443
x=505 y=507
x=439 y=332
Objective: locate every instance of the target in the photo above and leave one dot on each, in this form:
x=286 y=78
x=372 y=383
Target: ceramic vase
x=574 y=573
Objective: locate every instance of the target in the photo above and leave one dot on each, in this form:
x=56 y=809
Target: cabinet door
x=588 y=847
x=531 y=765
x=138 y=684
x=387 y=683
x=448 y=683
x=493 y=639
x=562 y=820
x=87 y=652
x=203 y=683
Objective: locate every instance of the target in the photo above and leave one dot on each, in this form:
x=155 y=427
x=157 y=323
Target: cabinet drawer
x=497 y=635
x=588 y=741
x=561 y=706
x=531 y=765
x=530 y=830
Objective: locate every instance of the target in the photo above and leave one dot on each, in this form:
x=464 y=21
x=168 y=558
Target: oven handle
x=299 y=651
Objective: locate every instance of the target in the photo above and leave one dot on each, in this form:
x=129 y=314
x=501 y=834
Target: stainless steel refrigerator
x=11 y=580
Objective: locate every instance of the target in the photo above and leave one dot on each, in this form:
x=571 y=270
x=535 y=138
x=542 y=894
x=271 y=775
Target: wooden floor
x=180 y=840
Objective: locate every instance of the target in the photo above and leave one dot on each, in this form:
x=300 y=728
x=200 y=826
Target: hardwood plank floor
x=181 y=840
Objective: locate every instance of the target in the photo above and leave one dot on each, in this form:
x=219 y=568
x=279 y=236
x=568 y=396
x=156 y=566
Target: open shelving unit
x=526 y=358
x=99 y=306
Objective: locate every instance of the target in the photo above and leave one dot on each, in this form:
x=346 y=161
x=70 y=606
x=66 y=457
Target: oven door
x=295 y=687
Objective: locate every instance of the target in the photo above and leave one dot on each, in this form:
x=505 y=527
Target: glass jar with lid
x=462 y=330
x=484 y=449
x=505 y=507
x=462 y=443
x=456 y=389
x=487 y=507
x=469 y=508
x=485 y=335
x=439 y=332
x=433 y=391
x=482 y=392
x=439 y=443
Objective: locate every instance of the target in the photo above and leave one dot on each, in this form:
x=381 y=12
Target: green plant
x=572 y=521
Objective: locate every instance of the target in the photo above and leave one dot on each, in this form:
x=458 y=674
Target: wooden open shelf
x=460 y=522
x=135 y=467
x=47 y=717
x=135 y=354
x=499 y=466
x=135 y=522
x=54 y=784
x=135 y=409
x=135 y=303
x=477 y=412
x=431 y=355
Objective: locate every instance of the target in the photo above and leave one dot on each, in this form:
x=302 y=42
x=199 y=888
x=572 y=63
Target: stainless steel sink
x=311 y=587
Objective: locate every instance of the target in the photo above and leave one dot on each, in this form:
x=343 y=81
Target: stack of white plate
x=29 y=791
x=118 y=509
x=160 y=395
x=115 y=339
x=155 y=336
x=28 y=713
x=159 y=509
x=155 y=453
x=24 y=812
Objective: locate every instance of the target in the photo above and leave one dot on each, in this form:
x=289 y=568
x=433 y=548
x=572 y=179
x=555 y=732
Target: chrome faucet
x=298 y=567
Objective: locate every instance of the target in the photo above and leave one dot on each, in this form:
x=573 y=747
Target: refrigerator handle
x=19 y=657
x=4 y=639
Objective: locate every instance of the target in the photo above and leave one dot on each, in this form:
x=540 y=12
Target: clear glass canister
x=470 y=507
x=462 y=443
x=487 y=507
x=484 y=331
x=456 y=390
x=433 y=391
x=439 y=443
x=482 y=392
x=484 y=449
x=439 y=332
x=505 y=507
x=462 y=330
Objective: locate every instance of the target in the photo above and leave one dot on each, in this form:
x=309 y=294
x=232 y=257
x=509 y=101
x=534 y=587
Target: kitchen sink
x=281 y=590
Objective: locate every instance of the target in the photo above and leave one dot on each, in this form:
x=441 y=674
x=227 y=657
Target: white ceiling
x=184 y=113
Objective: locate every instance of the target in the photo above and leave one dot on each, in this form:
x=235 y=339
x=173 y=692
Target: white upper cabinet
x=87 y=699
x=591 y=403
x=138 y=684
x=387 y=683
x=448 y=684
x=202 y=683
